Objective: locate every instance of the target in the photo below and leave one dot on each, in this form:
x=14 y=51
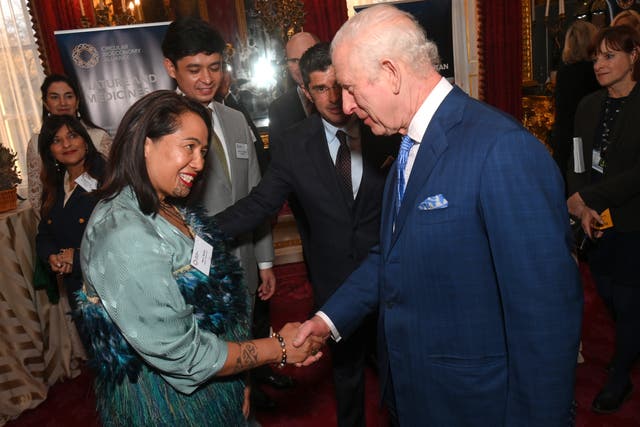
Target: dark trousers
x=348 y=357
x=260 y=329
x=613 y=266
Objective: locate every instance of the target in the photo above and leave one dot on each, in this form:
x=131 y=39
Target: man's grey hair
x=383 y=31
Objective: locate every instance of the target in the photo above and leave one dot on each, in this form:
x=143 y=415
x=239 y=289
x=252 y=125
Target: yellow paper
x=607 y=222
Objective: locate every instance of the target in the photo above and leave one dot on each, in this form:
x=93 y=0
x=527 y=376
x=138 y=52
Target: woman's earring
x=57 y=165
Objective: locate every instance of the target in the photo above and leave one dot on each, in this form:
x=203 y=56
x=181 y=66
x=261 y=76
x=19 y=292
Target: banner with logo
x=115 y=66
x=435 y=18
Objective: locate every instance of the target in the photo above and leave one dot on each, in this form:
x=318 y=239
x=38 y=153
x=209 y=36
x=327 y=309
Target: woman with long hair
x=60 y=96
x=71 y=169
x=165 y=308
x=605 y=197
x=575 y=80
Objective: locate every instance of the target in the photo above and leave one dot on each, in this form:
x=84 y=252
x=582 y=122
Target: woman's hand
x=66 y=255
x=57 y=265
x=310 y=347
x=589 y=218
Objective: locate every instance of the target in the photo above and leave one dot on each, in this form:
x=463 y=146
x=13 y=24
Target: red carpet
x=311 y=403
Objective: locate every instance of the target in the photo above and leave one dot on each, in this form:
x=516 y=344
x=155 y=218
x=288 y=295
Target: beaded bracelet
x=283 y=360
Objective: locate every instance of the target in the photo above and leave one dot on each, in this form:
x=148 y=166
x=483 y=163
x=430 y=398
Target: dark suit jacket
x=338 y=234
x=479 y=302
x=285 y=111
x=619 y=188
x=64 y=227
x=573 y=83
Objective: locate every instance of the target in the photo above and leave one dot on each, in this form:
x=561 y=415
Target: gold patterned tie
x=216 y=144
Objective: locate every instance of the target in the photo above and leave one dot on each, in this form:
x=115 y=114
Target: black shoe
x=608 y=401
x=260 y=400
x=276 y=380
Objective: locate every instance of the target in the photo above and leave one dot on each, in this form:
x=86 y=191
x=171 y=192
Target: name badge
x=201 y=256
x=87 y=182
x=596 y=161
x=242 y=151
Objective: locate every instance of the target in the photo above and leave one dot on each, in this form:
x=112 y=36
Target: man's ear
x=171 y=69
x=391 y=72
x=307 y=94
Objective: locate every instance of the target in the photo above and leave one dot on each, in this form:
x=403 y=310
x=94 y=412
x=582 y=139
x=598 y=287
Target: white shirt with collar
x=352 y=129
x=422 y=118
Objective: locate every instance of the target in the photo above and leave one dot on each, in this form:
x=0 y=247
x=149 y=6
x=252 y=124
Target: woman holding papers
x=605 y=196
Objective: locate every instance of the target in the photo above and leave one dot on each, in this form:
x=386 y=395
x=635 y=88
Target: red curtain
x=49 y=16
x=501 y=54
x=324 y=17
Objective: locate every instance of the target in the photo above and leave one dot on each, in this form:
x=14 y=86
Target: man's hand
x=246 y=404
x=313 y=327
x=267 y=284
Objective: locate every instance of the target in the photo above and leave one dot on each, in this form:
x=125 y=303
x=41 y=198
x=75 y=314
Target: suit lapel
x=218 y=170
x=434 y=143
x=318 y=149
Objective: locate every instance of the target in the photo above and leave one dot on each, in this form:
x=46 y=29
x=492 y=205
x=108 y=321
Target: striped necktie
x=403 y=155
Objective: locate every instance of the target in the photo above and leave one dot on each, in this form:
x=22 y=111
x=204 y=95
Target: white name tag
x=87 y=182
x=595 y=161
x=242 y=151
x=201 y=256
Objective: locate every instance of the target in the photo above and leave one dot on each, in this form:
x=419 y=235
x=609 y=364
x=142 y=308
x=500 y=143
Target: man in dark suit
x=342 y=209
x=293 y=106
x=478 y=296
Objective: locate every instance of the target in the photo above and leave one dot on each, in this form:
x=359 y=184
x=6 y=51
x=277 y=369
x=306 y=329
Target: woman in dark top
x=72 y=168
x=607 y=123
x=575 y=80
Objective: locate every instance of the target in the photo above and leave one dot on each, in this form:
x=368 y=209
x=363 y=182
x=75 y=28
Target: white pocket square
x=433 y=202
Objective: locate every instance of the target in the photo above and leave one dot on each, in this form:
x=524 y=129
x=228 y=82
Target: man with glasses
x=293 y=106
x=336 y=169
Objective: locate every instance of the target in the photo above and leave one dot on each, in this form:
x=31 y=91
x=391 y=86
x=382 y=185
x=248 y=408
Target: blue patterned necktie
x=403 y=155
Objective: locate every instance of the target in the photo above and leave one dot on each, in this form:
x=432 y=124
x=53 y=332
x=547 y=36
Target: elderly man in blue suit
x=479 y=298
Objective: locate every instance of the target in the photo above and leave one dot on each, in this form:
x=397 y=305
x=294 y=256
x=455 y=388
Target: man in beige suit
x=193 y=57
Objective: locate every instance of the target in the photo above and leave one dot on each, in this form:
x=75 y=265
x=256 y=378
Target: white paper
x=87 y=182
x=242 y=151
x=578 y=157
x=201 y=256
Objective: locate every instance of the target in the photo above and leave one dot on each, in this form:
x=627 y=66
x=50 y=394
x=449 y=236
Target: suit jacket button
x=81 y=220
x=49 y=222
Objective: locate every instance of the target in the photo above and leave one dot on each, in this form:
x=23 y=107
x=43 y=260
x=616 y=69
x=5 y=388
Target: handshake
x=301 y=343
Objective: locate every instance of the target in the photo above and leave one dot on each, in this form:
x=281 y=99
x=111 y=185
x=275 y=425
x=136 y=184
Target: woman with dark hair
x=165 y=308
x=605 y=197
x=60 y=96
x=575 y=80
x=71 y=169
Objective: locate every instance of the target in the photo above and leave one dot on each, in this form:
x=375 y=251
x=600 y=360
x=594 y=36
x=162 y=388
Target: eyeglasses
x=324 y=90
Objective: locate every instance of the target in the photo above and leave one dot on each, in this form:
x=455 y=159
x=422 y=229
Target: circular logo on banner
x=85 y=55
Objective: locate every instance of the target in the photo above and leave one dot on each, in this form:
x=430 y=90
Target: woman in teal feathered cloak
x=169 y=334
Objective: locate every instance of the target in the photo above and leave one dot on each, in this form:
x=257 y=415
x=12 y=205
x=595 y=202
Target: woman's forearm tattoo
x=247 y=357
